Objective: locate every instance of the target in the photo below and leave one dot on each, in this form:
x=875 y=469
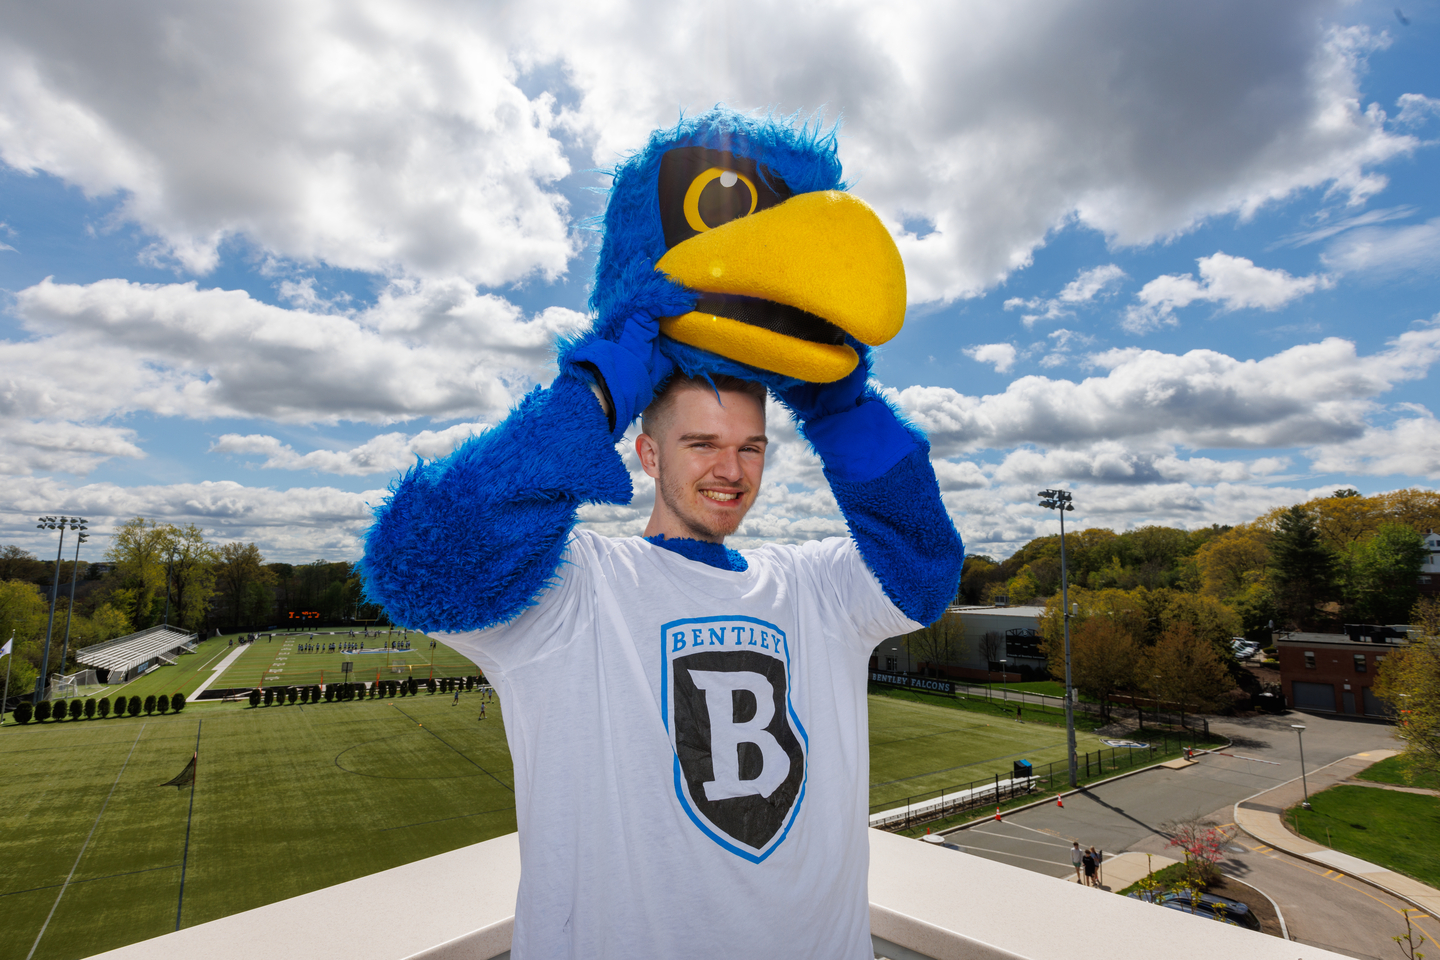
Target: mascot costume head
x=738 y=234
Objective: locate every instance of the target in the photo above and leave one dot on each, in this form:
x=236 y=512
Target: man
x=1077 y=857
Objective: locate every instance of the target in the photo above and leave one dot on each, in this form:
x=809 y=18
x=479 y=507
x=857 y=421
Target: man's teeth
x=717 y=495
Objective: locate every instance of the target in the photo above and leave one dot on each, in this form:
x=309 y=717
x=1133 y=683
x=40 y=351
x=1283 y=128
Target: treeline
x=159 y=567
x=1340 y=559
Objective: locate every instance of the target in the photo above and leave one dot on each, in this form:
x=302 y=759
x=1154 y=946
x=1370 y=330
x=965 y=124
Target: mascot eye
x=718 y=196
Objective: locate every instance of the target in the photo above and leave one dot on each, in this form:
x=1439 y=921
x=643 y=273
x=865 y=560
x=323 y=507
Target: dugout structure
x=129 y=656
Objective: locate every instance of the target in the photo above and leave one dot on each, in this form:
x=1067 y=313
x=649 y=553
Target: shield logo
x=739 y=746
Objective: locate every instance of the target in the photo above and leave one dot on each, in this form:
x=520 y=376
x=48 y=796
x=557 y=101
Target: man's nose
x=727 y=465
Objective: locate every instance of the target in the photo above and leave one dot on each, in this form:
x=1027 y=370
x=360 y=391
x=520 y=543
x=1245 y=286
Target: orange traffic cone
x=997 y=814
x=1059 y=801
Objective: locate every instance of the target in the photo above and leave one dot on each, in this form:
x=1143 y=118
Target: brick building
x=1333 y=672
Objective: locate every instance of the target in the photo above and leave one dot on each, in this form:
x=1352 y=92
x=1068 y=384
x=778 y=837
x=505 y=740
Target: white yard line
x=220 y=668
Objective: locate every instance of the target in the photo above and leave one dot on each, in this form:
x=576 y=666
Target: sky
x=1182 y=260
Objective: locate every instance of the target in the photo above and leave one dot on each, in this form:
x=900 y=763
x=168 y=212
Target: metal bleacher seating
x=125 y=657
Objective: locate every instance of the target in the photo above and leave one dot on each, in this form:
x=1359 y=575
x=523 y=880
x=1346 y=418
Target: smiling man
x=687 y=722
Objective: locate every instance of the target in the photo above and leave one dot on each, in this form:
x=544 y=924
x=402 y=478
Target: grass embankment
x=1401 y=772
x=1399 y=831
x=287 y=800
x=991 y=708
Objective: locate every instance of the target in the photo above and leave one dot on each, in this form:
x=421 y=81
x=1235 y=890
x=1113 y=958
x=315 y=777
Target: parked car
x=1242 y=648
x=1212 y=907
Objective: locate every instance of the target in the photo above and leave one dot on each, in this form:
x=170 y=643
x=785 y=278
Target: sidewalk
x=1261 y=817
x=219 y=669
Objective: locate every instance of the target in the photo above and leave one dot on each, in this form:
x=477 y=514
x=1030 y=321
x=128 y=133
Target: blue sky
x=1183 y=262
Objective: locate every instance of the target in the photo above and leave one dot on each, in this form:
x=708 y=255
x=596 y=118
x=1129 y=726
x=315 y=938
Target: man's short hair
x=654 y=415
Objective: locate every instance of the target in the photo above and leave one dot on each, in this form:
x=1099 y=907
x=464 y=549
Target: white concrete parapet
x=926 y=902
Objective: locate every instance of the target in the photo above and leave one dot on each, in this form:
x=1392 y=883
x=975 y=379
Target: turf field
x=287 y=800
x=293 y=798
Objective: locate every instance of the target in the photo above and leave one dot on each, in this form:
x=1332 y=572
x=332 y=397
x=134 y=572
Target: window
x=1359 y=663
x=1309 y=659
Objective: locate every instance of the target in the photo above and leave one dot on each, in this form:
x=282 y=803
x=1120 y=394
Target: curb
x=1284 y=930
x=1311 y=860
x=1068 y=793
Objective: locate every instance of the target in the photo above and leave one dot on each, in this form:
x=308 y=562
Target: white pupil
x=728 y=178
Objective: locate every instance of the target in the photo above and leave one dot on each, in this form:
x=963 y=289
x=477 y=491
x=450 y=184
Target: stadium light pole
x=62 y=524
x=1060 y=500
x=65 y=650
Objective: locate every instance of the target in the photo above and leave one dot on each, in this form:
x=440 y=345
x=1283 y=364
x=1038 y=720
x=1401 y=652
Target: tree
x=1185 y=669
x=23 y=711
x=18 y=564
x=103 y=707
x=192 y=575
x=1204 y=844
x=162 y=703
x=57 y=710
x=139 y=550
x=1102 y=659
x=269 y=696
x=240 y=571
x=1301 y=566
x=90 y=708
x=42 y=711
x=1409 y=681
x=150 y=704
x=1382 y=573
x=1212 y=620
x=177 y=702
x=936 y=644
x=109 y=622
x=1233 y=561
x=77 y=709
x=255 y=698
x=133 y=707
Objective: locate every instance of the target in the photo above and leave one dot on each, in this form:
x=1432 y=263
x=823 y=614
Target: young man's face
x=707 y=462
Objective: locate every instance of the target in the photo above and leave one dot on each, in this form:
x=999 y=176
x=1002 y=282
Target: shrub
x=24 y=710
x=103 y=707
x=315 y=693
x=304 y=694
x=269 y=696
x=430 y=685
x=133 y=707
x=42 y=711
x=57 y=710
x=291 y=694
x=330 y=693
x=77 y=709
x=90 y=709
x=177 y=702
x=255 y=697
x=470 y=684
x=414 y=686
x=162 y=703
x=149 y=704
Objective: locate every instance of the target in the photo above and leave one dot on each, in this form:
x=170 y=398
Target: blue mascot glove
x=628 y=370
x=855 y=432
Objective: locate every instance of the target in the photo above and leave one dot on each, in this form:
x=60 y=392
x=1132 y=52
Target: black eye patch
x=701 y=189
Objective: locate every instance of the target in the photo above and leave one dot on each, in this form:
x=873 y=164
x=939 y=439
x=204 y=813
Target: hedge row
x=90 y=708
x=409 y=687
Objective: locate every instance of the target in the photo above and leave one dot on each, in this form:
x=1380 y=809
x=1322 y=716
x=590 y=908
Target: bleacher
x=129 y=656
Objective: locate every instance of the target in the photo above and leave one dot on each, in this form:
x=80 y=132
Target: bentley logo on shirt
x=739 y=747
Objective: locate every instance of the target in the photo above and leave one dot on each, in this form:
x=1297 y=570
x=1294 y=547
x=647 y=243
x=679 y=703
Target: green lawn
x=1396 y=770
x=1050 y=688
x=1400 y=831
x=288 y=799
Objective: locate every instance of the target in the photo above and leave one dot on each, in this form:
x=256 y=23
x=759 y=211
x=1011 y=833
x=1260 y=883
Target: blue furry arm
x=879 y=470
x=470 y=541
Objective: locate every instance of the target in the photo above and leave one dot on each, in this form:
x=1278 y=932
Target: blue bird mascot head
x=739 y=233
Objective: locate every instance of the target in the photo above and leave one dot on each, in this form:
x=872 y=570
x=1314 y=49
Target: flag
x=6 y=649
x=186 y=776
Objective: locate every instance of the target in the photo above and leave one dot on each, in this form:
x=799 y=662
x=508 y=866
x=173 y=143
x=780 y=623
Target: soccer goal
x=76 y=685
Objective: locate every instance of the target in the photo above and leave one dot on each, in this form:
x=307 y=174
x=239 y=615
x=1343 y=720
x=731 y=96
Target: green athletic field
x=293 y=798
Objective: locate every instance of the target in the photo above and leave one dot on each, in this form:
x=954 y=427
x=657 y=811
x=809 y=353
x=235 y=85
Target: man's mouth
x=719 y=495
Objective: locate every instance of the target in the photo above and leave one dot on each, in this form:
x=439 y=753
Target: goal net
x=76 y=685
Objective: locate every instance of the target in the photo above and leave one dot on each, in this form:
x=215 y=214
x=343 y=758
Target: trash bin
x=1023 y=770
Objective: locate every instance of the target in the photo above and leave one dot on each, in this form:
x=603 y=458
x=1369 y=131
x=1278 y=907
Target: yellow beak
x=824 y=258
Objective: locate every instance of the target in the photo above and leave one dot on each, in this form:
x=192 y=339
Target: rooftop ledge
x=926 y=901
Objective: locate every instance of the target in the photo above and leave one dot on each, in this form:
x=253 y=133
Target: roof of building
x=1315 y=639
x=998 y=611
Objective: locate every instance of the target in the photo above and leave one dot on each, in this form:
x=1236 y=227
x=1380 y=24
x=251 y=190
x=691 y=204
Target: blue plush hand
x=629 y=369
x=811 y=401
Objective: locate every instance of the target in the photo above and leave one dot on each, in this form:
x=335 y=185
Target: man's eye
x=718 y=196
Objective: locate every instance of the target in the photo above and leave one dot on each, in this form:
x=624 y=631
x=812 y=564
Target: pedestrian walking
x=457 y=697
x=1076 y=856
x=482 y=709
x=1091 y=868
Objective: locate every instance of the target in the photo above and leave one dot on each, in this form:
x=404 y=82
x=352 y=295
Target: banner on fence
x=917 y=683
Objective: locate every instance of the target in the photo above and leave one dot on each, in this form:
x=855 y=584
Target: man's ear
x=649 y=453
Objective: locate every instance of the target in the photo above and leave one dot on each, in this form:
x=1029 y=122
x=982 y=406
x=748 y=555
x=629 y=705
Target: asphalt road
x=1319 y=907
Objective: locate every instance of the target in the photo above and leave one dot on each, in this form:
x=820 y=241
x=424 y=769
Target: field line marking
x=185 y=857
x=442 y=740
x=36 y=945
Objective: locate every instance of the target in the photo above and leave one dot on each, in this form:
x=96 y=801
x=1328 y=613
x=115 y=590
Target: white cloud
x=397 y=137
x=1233 y=282
x=385 y=453
x=1416 y=109
x=1000 y=355
x=27 y=447
x=1409 y=447
x=1086 y=286
x=1385 y=251
x=1306 y=395
x=433 y=348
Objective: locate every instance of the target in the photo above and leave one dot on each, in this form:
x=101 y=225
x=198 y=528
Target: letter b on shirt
x=740 y=764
